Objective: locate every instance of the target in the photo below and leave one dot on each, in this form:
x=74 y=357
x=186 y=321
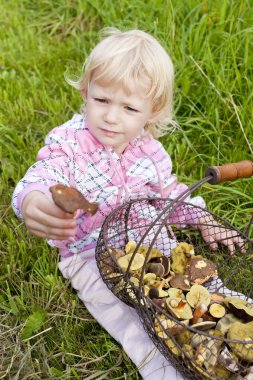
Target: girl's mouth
x=109 y=133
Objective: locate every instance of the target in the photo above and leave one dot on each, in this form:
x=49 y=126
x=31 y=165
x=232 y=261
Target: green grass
x=45 y=332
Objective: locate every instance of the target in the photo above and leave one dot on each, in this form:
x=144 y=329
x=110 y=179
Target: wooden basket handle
x=230 y=172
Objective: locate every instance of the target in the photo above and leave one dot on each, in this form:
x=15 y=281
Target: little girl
x=110 y=154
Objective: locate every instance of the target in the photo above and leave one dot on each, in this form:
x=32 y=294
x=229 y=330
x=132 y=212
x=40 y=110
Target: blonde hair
x=136 y=55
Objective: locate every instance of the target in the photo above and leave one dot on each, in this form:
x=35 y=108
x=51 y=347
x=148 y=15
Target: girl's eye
x=100 y=100
x=131 y=109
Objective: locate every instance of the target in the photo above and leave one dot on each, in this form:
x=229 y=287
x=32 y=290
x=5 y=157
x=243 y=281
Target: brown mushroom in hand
x=71 y=200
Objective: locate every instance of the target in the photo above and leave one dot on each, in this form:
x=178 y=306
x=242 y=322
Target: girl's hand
x=44 y=219
x=212 y=232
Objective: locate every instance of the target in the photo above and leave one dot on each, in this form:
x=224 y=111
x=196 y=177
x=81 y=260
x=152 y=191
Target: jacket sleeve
x=55 y=164
x=167 y=186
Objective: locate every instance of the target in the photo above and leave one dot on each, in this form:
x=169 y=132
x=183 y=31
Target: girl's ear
x=84 y=95
x=155 y=117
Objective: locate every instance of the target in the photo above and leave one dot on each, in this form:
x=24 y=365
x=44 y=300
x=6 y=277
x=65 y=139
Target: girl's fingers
x=210 y=240
x=49 y=227
x=51 y=232
x=231 y=239
x=50 y=221
x=53 y=210
x=241 y=244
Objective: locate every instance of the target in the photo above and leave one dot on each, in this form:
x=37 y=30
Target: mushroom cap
x=136 y=264
x=160 y=302
x=200 y=270
x=149 y=278
x=205 y=325
x=242 y=332
x=217 y=310
x=179 y=260
x=130 y=246
x=175 y=292
x=240 y=308
x=135 y=281
x=228 y=361
x=157 y=293
x=207 y=354
x=164 y=261
x=226 y=322
x=70 y=199
x=166 y=264
x=179 y=308
x=156 y=268
x=198 y=294
x=164 y=324
x=154 y=252
x=181 y=282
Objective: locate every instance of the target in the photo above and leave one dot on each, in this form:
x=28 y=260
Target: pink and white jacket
x=72 y=156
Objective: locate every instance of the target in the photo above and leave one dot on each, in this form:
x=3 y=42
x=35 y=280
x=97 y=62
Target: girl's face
x=114 y=117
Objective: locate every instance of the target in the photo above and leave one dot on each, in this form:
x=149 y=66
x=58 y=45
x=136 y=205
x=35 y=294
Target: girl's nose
x=111 y=115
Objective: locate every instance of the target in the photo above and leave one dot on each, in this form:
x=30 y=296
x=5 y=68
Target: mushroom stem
x=165 y=282
x=198 y=312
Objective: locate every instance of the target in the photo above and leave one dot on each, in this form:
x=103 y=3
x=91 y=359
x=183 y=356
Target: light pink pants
x=120 y=320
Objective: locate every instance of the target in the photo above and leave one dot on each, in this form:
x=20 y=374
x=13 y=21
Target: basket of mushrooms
x=195 y=303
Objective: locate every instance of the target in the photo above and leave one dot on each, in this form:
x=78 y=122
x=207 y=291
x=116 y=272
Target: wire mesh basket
x=195 y=304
